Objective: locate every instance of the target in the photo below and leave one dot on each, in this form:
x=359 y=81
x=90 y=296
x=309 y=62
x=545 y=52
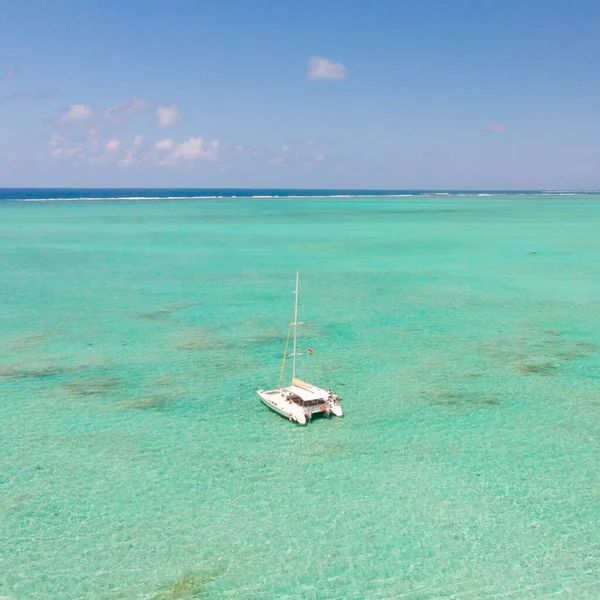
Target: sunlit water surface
x=462 y=333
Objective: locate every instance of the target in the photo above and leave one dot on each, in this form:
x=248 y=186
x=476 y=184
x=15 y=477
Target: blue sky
x=437 y=94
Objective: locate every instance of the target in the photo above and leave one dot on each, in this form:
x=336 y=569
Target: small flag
x=310 y=351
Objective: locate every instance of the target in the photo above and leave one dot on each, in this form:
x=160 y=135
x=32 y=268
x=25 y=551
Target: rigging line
x=287 y=343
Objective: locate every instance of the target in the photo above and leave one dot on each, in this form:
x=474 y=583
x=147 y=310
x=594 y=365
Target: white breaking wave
x=308 y=197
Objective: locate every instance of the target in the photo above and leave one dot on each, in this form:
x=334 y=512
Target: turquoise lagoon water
x=463 y=334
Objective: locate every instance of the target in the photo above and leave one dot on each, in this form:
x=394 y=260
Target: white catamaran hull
x=301 y=401
x=276 y=401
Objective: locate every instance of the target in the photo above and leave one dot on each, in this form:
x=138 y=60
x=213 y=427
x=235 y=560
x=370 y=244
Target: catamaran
x=300 y=401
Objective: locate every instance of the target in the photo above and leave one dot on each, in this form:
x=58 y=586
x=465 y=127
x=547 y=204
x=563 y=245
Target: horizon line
x=328 y=189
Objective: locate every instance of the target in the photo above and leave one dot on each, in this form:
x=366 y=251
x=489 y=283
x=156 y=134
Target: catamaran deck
x=313 y=394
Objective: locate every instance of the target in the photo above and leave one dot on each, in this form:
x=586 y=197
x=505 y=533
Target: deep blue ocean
x=41 y=194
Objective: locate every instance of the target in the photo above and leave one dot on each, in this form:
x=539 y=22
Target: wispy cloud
x=318 y=159
x=101 y=124
x=497 y=128
x=113 y=116
x=324 y=68
x=125 y=109
x=128 y=159
x=167 y=115
x=76 y=112
x=62 y=148
x=84 y=150
x=31 y=95
x=8 y=75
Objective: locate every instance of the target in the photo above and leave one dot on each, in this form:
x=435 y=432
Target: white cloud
x=498 y=128
x=319 y=157
x=168 y=115
x=323 y=68
x=76 y=112
x=165 y=145
x=275 y=161
x=195 y=148
x=238 y=148
x=137 y=141
x=285 y=148
x=112 y=145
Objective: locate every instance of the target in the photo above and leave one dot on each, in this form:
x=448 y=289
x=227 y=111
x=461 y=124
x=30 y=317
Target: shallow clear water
x=138 y=462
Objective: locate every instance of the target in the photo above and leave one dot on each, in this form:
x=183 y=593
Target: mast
x=295 y=325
